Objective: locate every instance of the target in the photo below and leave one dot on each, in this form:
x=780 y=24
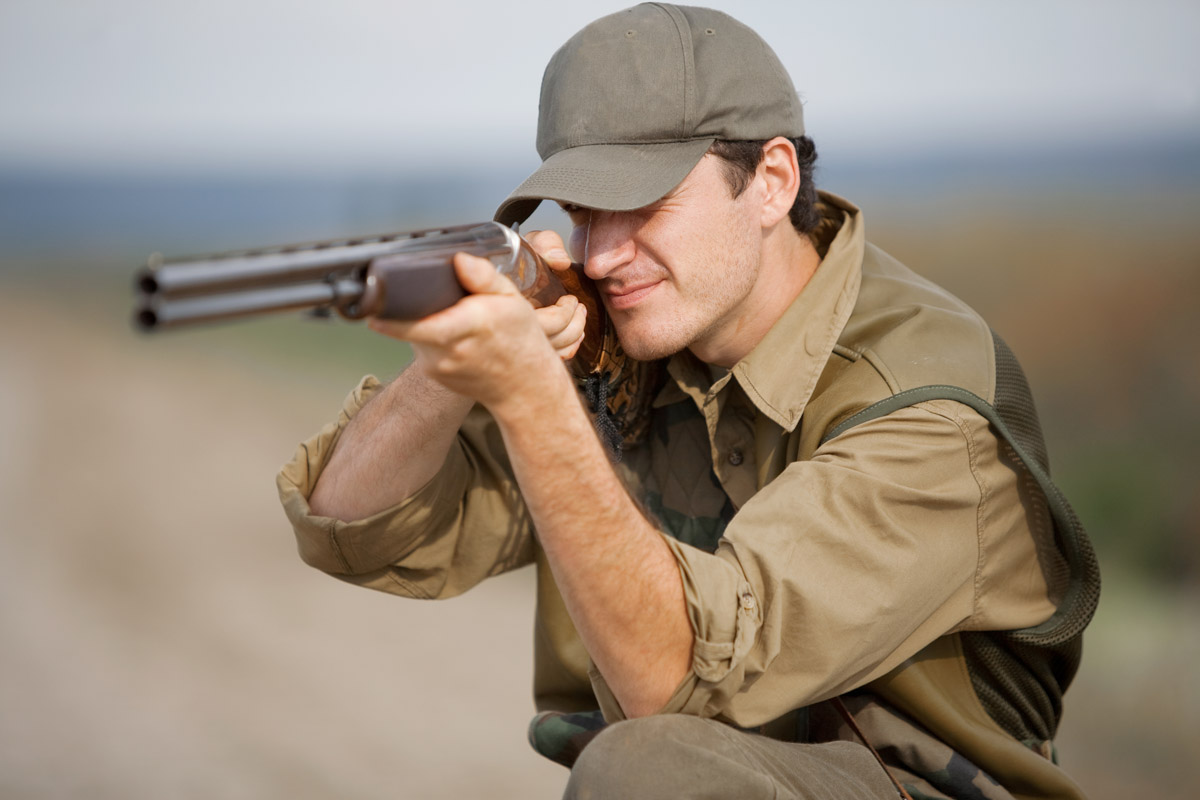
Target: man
x=842 y=491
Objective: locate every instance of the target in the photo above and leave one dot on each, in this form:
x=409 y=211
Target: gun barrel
x=165 y=312
x=248 y=269
x=241 y=272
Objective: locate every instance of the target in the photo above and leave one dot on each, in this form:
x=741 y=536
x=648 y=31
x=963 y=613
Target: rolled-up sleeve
x=846 y=564
x=465 y=524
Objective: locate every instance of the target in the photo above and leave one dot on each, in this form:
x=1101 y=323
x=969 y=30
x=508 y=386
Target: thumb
x=480 y=276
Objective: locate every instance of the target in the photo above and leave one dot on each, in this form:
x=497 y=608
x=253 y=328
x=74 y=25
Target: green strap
x=1068 y=620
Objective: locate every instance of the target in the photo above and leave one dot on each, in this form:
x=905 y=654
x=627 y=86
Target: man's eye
x=570 y=208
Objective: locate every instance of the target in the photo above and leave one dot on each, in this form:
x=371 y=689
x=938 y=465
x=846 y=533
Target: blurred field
x=162 y=639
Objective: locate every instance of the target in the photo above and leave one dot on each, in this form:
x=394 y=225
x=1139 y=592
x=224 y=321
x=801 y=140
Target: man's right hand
x=563 y=322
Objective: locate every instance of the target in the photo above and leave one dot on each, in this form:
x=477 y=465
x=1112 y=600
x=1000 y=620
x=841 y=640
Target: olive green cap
x=631 y=103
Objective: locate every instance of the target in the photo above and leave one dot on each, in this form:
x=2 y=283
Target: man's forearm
x=618 y=578
x=394 y=445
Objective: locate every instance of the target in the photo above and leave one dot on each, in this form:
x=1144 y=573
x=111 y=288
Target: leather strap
x=841 y=709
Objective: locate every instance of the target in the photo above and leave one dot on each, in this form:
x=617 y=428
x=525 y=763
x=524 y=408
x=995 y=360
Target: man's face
x=679 y=273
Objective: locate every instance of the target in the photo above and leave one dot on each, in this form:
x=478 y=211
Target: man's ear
x=779 y=172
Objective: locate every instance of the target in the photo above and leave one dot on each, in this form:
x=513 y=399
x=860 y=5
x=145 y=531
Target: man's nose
x=603 y=243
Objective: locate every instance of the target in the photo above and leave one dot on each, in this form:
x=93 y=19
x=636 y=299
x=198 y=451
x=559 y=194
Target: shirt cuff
x=724 y=628
x=356 y=548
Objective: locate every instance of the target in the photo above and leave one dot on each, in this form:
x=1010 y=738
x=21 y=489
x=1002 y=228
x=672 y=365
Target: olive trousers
x=680 y=757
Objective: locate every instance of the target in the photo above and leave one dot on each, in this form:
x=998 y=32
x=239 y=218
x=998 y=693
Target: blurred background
x=159 y=635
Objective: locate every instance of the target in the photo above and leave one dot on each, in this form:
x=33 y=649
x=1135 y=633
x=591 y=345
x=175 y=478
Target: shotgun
x=395 y=276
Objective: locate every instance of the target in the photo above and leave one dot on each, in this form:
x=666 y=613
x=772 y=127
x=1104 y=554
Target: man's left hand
x=491 y=345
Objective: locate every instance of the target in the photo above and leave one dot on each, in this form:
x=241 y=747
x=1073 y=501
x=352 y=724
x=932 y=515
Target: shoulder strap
x=1083 y=589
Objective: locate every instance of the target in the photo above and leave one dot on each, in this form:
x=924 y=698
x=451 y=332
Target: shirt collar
x=780 y=373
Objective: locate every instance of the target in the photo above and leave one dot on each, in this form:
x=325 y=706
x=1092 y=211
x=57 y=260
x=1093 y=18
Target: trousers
x=688 y=758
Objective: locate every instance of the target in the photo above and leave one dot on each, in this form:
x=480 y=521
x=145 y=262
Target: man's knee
x=612 y=764
x=678 y=757
x=668 y=756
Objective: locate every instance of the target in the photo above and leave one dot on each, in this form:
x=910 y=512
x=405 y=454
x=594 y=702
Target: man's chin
x=646 y=345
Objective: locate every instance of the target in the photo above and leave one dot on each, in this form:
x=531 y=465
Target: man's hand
x=563 y=323
x=489 y=345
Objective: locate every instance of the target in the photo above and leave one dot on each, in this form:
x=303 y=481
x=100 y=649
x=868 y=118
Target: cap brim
x=611 y=177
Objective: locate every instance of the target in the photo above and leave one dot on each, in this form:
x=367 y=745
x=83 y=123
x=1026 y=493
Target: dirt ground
x=162 y=639
x=160 y=636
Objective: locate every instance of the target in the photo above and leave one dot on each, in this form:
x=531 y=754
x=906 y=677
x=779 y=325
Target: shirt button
x=735 y=457
x=748 y=601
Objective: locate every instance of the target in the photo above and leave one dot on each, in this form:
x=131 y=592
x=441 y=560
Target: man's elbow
x=652 y=695
x=323 y=502
x=330 y=498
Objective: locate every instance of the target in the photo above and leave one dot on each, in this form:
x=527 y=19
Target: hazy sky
x=389 y=84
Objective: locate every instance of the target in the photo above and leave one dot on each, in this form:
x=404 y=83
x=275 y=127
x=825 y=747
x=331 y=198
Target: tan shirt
x=833 y=562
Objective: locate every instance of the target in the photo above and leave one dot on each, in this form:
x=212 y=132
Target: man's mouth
x=623 y=297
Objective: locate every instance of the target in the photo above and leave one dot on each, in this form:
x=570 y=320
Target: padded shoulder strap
x=1083 y=589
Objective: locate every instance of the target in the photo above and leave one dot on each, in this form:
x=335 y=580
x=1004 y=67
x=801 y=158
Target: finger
x=567 y=353
x=394 y=328
x=556 y=317
x=441 y=329
x=549 y=245
x=480 y=276
x=571 y=335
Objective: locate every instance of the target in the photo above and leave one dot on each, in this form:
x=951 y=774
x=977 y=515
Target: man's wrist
x=544 y=394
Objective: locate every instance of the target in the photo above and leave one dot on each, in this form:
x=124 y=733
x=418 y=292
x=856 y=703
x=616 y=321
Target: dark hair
x=741 y=159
